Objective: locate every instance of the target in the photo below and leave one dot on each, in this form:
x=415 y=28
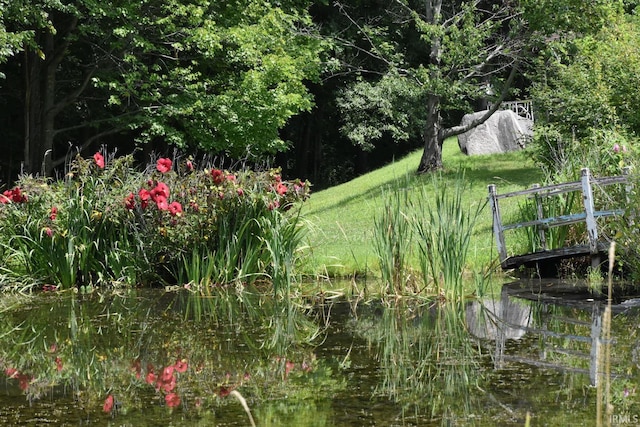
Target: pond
x=158 y=358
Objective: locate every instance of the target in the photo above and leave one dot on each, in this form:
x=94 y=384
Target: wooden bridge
x=594 y=247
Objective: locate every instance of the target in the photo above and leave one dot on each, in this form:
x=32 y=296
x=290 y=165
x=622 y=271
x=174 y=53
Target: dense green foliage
x=220 y=77
x=585 y=98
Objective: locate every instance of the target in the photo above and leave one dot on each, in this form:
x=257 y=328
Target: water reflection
x=120 y=353
x=175 y=358
x=428 y=363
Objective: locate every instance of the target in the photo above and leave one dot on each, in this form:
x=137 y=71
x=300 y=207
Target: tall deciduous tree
x=221 y=76
x=448 y=54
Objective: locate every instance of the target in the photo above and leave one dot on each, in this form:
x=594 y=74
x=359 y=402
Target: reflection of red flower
x=167 y=373
x=288 y=367
x=108 y=404
x=150 y=378
x=135 y=366
x=181 y=365
x=23 y=381
x=99 y=159
x=175 y=208
x=172 y=400
x=223 y=392
x=163 y=165
x=58 y=364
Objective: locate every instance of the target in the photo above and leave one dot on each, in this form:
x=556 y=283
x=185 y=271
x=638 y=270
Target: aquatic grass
x=392 y=239
x=444 y=226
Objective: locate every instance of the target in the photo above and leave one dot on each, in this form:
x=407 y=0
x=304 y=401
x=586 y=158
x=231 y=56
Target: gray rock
x=504 y=131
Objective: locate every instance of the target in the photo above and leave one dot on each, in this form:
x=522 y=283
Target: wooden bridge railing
x=523 y=108
x=589 y=216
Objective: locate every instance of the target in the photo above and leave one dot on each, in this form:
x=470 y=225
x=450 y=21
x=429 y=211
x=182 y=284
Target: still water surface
x=179 y=358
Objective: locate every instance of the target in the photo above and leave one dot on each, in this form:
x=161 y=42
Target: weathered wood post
x=540 y=214
x=498 y=232
x=592 y=226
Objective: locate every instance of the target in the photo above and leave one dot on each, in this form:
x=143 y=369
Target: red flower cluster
x=54 y=213
x=159 y=194
x=14 y=195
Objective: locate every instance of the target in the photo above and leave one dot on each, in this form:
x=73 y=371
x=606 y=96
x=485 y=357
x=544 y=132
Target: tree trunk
x=432 y=154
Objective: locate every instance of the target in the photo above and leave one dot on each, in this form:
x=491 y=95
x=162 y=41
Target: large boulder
x=503 y=131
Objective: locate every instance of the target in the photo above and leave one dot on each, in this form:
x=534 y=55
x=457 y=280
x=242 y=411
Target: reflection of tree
x=427 y=359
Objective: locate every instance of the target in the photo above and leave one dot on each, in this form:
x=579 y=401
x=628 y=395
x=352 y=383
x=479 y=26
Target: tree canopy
x=220 y=76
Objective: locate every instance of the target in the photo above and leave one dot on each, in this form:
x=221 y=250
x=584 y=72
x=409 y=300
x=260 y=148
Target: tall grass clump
x=430 y=227
x=109 y=223
x=444 y=231
x=393 y=239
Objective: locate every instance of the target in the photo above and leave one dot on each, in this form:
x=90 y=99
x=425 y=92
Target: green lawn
x=343 y=216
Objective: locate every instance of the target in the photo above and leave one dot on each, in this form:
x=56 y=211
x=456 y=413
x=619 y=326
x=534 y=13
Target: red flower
x=130 y=202
x=53 y=214
x=181 y=365
x=218 y=176
x=162 y=203
x=99 y=160
x=166 y=385
x=240 y=191
x=58 y=364
x=108 y=404
x=5 y=197
x=190 y=166
x=172 y=400
x=163 y=165
x=48 y=231
x=281 y=188
x=160 y=190
x=231 y=177
x=144 y=197
x=12 y=372
x=175 y=208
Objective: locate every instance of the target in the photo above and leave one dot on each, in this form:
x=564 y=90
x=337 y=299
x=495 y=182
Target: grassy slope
x=343 y=216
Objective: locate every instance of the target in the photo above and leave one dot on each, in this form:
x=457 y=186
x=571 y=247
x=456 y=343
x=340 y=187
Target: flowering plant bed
x=107 y=223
